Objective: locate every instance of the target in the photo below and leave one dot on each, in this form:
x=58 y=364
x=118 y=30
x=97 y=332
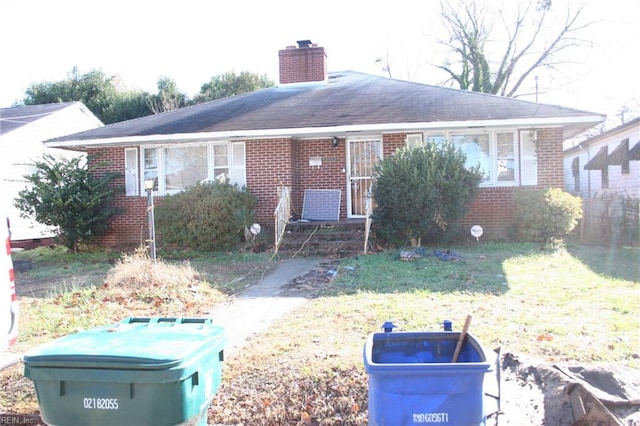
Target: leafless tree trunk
x=528 y=41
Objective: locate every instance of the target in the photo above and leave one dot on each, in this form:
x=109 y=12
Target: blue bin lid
x=135 y=343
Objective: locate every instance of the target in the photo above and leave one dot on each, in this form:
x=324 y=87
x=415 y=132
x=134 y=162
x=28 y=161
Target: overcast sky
x=193 y=40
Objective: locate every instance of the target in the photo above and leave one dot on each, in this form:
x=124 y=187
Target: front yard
x=577 y=304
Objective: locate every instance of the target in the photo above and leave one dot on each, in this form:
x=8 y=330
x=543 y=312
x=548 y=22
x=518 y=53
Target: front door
x=363 y=154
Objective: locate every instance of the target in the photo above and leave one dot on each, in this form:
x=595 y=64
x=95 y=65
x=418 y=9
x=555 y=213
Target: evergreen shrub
x=545 y=215
x=421 y=192
x=203 y=216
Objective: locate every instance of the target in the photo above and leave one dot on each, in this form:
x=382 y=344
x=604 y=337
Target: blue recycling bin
x=413 y=381
x=141 y=371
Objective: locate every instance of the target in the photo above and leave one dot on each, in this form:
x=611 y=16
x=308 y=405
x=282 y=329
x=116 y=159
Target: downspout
x=582 y=222
x=588 y=171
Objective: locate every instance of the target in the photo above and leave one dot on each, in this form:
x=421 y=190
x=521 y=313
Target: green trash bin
x=142 y=371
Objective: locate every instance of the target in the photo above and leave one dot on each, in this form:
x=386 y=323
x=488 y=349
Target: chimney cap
x=304 y=43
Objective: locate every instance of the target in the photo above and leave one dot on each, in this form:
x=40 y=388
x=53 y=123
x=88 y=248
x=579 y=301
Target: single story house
x=606 y=164
x=22 y=133
x=320 y=134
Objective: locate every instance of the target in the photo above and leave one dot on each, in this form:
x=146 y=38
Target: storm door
x=362 y=156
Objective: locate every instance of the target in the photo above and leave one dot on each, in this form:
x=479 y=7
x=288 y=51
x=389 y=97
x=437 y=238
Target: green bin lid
x=136 y=343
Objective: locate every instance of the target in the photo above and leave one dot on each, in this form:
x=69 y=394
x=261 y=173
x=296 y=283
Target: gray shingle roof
x=347 y=98
x=15 y=117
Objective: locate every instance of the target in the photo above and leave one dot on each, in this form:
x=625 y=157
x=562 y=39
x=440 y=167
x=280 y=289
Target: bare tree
x=529 y=41
x=628 y=111
x=385 y=63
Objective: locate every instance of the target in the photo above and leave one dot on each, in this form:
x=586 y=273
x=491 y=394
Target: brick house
x=320 y=134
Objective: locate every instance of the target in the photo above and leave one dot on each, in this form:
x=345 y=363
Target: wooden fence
x=610 y=220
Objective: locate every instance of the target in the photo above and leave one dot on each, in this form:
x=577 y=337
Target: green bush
x=421 y=192
x=545 y=216
x=203 y=217
x=65 y=194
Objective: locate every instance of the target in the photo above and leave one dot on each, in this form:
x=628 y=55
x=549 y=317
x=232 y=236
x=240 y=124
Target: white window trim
x=131 y=175
x=493 y=153
x=161 y=190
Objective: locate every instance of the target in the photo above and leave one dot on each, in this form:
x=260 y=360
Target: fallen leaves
x=331 y=397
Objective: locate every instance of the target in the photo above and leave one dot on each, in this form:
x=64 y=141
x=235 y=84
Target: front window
x=477 y=149
x=177 y=167
x=506 y=157
x=184 y=167
x=150 y=166
x=494 y=151
x=220 y=162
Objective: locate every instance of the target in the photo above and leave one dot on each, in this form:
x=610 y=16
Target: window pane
x=131 y=171
x=151 y=158
x=477 y=150
x=220 y=156
x=220 y=175
x=237 y=172
x=238 y=155
x=184 y=166
x=506 y=157
x=221 y=162
x=437 y=140
x=151 y=166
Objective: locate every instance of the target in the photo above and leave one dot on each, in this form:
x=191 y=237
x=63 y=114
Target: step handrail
x=281 y=215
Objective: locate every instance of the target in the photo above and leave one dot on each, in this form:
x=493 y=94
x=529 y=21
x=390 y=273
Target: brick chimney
x=305 y=62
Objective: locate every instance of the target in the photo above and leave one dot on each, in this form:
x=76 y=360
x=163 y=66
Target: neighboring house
x=325 y=132
x=22 y=132
x=605 y=171
x=607 y=164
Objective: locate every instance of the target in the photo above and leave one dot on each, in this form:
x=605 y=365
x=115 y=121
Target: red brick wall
x=269 y=166
x=299 y=64
x=391 y=143
x=550 y=158
x=329 y=175
x=492 y=209
x=275 y=162
x=129 y=227
x=272 y=163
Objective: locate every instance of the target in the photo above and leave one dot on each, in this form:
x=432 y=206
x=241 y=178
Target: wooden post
x=463 y=335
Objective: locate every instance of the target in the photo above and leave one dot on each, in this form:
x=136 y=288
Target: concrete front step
x=325 y=238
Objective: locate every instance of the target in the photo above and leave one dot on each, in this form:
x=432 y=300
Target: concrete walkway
x=249 y=312
x=253 y=310
x=8 y=358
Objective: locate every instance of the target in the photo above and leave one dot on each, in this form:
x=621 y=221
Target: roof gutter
x=585 y=120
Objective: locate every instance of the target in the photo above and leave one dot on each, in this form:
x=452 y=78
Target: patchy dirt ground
x=538 y=393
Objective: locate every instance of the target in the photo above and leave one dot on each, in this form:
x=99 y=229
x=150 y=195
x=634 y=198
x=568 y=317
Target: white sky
x=194 y=40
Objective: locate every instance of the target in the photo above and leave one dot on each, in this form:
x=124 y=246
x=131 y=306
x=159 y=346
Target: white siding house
x=607 y=164
x=22 y=133
x=605 y=171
